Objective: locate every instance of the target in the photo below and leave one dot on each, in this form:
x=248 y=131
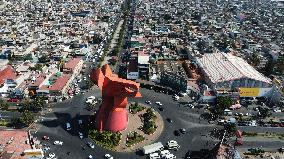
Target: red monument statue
x=112 y=114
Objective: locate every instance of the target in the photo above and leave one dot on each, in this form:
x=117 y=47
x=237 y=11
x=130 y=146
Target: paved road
x=73 y=109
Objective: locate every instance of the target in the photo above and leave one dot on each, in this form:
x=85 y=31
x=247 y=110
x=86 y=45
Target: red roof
x=40 y=78
x=7 y=73
x=17 y=145
x=71 y=64
x=60 y=83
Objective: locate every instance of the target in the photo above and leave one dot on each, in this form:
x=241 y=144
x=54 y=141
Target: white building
x=227 y=73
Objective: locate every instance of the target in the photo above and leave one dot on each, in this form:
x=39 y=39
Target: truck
x=158 y=146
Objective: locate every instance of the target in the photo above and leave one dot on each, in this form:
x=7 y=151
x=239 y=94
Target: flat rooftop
x=17 y=143
x=221 y=67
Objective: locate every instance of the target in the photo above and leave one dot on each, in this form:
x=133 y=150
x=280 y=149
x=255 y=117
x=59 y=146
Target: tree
x=230 y=128
x=27 y=117
x=15 y=121
x=280 y=64
x=222 y=104
x=264 y=112
x=268 y=69
x=28 y=57
x=43 y=59
x=4 y=105
x=255 y=59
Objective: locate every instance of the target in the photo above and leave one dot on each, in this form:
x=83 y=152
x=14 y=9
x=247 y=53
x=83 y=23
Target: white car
x=91 y=97
x=108 y=156
x=277 y=110
x=58 y=143
x=51 y=155
x=81 y=135
x=90 y=156
x=164 y=153
x=91 y=145
x=159 y=103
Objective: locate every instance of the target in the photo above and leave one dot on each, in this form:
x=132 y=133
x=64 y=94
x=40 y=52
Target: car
x=91 y=145
x=80 y=122
x=51 y=155
x=277 y=110
x=176 y=133
x=108 y=156
x=182 y=130
x=159 y=103
x=148 y=102
x=46 y=148
x=169 y=120
x=238 y=143
x=45 y=138
x=68 y=126
x=81 y=135
x=90 y=157
x=84 y=78
x=161 y=108
x=58 y=142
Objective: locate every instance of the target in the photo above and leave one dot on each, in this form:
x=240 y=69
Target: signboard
x=249 y=92
x=34 y=153
x=132 y=75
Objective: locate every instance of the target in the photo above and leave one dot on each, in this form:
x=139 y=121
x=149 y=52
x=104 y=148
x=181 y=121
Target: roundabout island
x=116 y=127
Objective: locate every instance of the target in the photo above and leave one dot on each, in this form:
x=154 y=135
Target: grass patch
x=3 y=122
x=106 y=139
x=134 y=138
x=135 y=108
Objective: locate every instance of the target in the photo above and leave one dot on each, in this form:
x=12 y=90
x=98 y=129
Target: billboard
x=249 y=92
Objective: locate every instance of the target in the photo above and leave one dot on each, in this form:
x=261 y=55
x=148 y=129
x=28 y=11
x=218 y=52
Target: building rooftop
x=60 y=82
x=14 y=142
x=221 y=67
x=71 y=64
x=7 y=73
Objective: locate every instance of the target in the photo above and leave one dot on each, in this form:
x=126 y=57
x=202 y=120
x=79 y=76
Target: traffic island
x=144 y=127
x=139 y=133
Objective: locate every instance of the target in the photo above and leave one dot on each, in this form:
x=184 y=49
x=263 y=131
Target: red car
x=238 y=143
x=45 y=138
x=13 y=100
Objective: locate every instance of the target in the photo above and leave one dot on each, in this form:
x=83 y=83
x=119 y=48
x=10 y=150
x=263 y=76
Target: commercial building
x=226 y=73
x=172 y=75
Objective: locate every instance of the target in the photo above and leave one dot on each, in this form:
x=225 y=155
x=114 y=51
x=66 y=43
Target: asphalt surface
x=54 y=123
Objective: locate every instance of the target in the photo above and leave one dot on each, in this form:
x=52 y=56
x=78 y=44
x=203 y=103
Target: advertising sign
x=249 y=92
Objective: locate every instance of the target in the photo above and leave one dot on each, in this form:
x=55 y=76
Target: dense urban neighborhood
x=133 y=79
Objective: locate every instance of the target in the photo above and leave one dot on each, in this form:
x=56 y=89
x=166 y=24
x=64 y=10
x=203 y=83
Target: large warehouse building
x=226 y=73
